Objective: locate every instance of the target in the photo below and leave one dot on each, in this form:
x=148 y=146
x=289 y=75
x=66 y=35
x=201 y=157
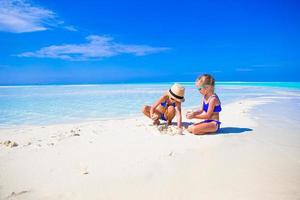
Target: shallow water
x=50 y=104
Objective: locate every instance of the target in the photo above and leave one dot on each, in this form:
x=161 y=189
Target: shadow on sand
x=186 y=124
x=223 y=130
x=233 y=130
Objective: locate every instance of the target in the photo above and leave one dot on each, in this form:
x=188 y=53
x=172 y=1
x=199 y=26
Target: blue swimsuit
x=165 y=105
x=217 y=108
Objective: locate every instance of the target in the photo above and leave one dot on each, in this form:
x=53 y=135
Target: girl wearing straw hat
x=167 y=106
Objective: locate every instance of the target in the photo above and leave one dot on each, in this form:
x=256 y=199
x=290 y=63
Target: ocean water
x=50 y=104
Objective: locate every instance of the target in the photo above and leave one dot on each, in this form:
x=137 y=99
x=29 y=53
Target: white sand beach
x=253 y=157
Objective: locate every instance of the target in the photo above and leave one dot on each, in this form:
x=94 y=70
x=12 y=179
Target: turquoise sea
x=50 y=104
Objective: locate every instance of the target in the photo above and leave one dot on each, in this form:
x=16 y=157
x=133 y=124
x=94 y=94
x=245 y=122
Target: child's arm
x=191 y=115
x=178 y=114
x=155 y=105
x=210 y=110
x=198 y=112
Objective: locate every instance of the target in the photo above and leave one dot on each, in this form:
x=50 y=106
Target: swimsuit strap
x=208 y=99
x=214 y=95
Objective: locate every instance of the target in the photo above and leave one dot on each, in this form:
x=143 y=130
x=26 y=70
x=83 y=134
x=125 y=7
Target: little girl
x=210 y=108
x=167 y=106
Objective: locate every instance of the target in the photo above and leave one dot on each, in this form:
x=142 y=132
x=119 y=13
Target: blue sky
x=45 y=42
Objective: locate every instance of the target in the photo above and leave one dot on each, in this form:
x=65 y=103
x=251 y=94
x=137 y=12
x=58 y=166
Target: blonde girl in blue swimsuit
x=167 y=106
x=210 y=107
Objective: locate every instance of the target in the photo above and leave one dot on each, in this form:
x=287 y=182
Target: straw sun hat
x=177 y=92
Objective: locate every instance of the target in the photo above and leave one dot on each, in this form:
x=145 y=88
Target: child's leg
x=203 y=128
x=146 y=111
x=170 y=114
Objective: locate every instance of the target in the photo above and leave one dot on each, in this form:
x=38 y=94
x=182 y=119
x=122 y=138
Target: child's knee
x=171 y=112
x=144 y=108
x=171 y=109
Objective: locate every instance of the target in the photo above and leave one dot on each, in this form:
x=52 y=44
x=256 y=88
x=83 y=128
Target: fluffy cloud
x=244 y=69
x=18 y=16
x=97 y=47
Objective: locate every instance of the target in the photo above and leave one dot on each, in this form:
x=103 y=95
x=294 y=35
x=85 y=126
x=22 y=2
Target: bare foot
x=169 y=123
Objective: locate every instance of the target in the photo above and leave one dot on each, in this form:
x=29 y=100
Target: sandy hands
x=189 y=115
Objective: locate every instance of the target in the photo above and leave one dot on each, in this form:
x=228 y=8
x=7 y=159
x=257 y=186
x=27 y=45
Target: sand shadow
x=223 y=130
x=184 y=124
x=233 y=130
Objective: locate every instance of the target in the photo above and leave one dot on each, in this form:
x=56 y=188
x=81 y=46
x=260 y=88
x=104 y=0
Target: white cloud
x=256 y=67
x=244 y=69
x=18 y=16
x=265 y=66
x=216 y=71
x=96 y=48
x=70 y=28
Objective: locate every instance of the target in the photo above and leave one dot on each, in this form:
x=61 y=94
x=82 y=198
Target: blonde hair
x=207 y=79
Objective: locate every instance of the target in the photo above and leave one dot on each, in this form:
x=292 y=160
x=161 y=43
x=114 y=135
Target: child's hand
x=154 y=117
x=189 y=115
x=179 y=131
